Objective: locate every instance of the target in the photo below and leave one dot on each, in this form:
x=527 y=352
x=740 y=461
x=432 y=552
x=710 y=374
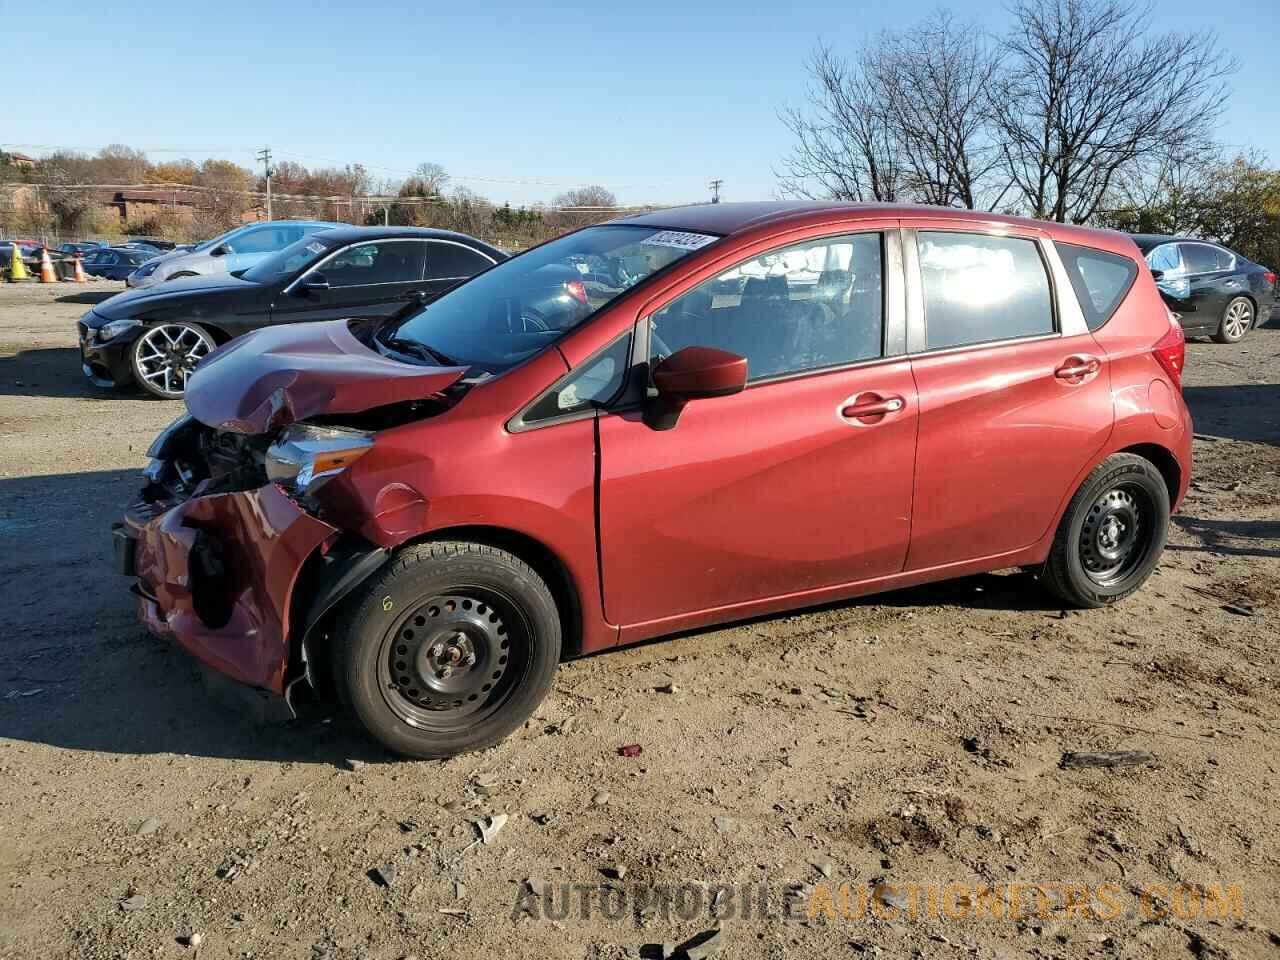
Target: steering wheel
x=531 y=322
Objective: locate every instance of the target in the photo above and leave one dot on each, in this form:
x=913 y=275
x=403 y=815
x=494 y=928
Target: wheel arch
x=548 y=564
x=1164 y=461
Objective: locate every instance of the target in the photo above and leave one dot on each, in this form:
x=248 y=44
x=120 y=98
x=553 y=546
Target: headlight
x=147 y=269
x=109 y=331
x=306 y=456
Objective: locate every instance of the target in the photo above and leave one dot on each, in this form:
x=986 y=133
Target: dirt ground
x=912 y=739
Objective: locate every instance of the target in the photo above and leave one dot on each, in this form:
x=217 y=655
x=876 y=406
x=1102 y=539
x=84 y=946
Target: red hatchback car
x=677 y=419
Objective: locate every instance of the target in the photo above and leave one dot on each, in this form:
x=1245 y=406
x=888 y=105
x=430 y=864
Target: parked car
x=234 y=250
x=114 y=263
x=422 y=516
x=82 y=247
x=28 y=250
x=154 y=337
x=162 y=245
x=1214 y=291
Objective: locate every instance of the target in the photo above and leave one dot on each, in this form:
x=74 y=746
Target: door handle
x=870 y=405
x=1075 y=368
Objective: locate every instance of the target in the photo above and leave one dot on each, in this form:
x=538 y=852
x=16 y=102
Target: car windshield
x=283 y=263
x=513 y=310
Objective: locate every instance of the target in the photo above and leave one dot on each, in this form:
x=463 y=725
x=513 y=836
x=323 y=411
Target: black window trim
x=917 y=322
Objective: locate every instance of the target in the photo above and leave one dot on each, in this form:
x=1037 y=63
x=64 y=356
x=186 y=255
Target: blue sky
x=517 y=100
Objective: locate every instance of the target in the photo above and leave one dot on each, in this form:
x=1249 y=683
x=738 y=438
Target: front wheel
x=166 y=355
x=1111 y=535
x=1237 y=318
x=449 y=649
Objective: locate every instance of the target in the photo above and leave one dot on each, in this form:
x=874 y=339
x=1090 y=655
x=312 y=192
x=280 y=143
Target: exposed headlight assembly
x=305 y=456
x=109 y=331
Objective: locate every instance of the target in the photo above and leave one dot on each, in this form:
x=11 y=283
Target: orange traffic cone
x=17 y=269
x=80 y=275
x=46 y=267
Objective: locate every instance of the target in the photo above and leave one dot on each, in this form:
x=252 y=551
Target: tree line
x=1080 y=112
x=69 y=197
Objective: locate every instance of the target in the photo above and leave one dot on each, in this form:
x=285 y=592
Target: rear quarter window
x=1101 y=280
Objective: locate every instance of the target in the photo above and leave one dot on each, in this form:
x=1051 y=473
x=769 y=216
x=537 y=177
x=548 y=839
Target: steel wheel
x=1236 y=320
x=165 y=356
x=453 y=660
x=1116 y=535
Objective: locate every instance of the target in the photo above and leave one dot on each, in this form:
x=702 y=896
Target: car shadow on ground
x=1242 y=411
x=77 y=672
x=88 y=297
x=52 y=372
x=1241 y=538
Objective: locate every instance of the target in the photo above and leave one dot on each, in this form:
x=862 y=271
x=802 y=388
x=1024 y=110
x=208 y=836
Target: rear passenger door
x=1015 y=394
x=372 y=279
x=1212 y=282
x=783 y=488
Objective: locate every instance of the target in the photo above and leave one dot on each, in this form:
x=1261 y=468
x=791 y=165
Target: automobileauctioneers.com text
x=848 y=901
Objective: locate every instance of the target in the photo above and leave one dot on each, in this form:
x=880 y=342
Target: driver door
x=779 y=490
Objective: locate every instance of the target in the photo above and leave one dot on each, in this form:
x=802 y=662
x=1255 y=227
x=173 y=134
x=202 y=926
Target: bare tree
x=844 y=144
x=588 y=205
x=1088 y=90
x=934 y=80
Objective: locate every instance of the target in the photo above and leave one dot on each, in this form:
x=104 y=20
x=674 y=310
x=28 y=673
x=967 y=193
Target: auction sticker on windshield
x=680 y=239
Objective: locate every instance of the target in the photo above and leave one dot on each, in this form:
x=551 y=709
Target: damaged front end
x=217 y=550
x=234 y=555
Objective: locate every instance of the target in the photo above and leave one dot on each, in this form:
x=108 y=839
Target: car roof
x=1149 y=241
x=727 y=219
x=349 y=234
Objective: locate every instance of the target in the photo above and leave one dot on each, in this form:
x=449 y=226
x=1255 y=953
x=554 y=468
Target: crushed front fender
x=216 y=573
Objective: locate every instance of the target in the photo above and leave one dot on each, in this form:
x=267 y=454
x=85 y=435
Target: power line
x=265 y=156
x=715 y=190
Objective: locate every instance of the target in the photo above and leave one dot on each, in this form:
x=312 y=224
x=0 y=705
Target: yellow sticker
x=387 y=604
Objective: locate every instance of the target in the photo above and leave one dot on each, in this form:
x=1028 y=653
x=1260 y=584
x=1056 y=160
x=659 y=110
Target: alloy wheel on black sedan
x=1236 y=321
x=166 y=355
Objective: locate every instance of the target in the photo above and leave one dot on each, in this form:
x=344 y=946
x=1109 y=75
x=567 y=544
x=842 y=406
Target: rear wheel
x=1111 y=535
x=1237 y=318
x=449 y=649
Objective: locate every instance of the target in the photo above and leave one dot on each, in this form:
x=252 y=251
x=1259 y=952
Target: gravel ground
x=913 y=739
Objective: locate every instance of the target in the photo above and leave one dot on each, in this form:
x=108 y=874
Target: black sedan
x=1214 y=291
x=154 y=337
x=114 y=263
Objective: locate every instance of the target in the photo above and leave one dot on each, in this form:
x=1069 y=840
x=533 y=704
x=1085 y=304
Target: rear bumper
x=215 y=575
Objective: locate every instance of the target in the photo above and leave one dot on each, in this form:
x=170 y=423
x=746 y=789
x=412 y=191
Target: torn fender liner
x=262 y=540
x=278 y=375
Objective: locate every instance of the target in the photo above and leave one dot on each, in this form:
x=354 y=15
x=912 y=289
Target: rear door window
x=1100 y=280
x=451 y=261
x=979 y=288
x=1203 y=258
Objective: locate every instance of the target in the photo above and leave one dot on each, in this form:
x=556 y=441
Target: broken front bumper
x=216 y=573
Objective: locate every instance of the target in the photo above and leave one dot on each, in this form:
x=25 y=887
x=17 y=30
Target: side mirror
x=694 y=373
x=316 y=283
x=1157 y=275
x=221 y=250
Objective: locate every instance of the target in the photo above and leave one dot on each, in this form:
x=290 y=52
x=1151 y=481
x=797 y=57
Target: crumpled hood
x=276 y=376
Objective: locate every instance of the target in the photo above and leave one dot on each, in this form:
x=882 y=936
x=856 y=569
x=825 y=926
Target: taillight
x=577 y=291
x=1170 y=352
x=1270 y=277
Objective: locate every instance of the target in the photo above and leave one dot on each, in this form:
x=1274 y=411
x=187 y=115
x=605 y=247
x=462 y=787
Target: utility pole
x=265 y=156
x=715 y=190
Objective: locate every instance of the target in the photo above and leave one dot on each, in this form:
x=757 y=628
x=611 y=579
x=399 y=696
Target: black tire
x=1237 y=317
x=389 y=677
x=1083 y=568
x=166 y=376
